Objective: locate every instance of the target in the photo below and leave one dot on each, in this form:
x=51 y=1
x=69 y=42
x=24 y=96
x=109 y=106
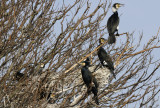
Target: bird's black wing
x=95 y=82
x=100 y=56
x=113 y=23
x=105 y=58
x=95 y=90
x=109 y=62
x=90 y=82
x=95 y=86
x=87 y=76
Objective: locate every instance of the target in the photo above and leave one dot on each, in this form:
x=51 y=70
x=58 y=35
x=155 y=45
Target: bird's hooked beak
x=120 y=5
x=82 y=63
x=102 y=40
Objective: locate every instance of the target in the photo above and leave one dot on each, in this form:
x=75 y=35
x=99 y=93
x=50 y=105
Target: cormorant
x=51 y=97
x=113 y=22
x=104 y=58
x=42 y=65
x=19 y=76
x=89 y=80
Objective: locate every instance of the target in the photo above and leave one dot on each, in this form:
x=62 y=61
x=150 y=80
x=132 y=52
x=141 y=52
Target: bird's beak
x=102 y=40
x=120 y=5
x=82 y=64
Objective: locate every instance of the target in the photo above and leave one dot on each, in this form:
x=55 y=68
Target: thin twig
x=85 y=57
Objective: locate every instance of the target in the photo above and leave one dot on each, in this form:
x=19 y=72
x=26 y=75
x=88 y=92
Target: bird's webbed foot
x=117 y=34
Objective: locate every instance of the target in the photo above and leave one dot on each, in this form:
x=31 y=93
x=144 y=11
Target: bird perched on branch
x=113 y=22
x=104 y=58
x=89 y=80
x=40 y=67
x=19 y=76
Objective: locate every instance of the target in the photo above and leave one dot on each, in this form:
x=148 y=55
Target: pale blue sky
x=137 y=15
x=141 y=16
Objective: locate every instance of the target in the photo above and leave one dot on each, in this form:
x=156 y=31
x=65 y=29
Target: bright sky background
x=137 y=15
x=140 y=16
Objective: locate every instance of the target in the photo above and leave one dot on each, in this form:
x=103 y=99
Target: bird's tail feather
x=111 y=39
x=96 y=100
x=114 y=75
x=95 y=91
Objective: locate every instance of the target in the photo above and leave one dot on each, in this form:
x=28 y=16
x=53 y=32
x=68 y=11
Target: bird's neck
x=114 y=10
x=101 y=46
x=116 y=13
x=85 y=66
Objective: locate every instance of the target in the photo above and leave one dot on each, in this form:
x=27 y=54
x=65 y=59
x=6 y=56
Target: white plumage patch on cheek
x=114 y=9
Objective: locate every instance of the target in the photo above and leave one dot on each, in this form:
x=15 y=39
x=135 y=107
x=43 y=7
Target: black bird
x=104 y=58
x=41 y=67
x=89 y=80
x=19 y=76
x=113 y=22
